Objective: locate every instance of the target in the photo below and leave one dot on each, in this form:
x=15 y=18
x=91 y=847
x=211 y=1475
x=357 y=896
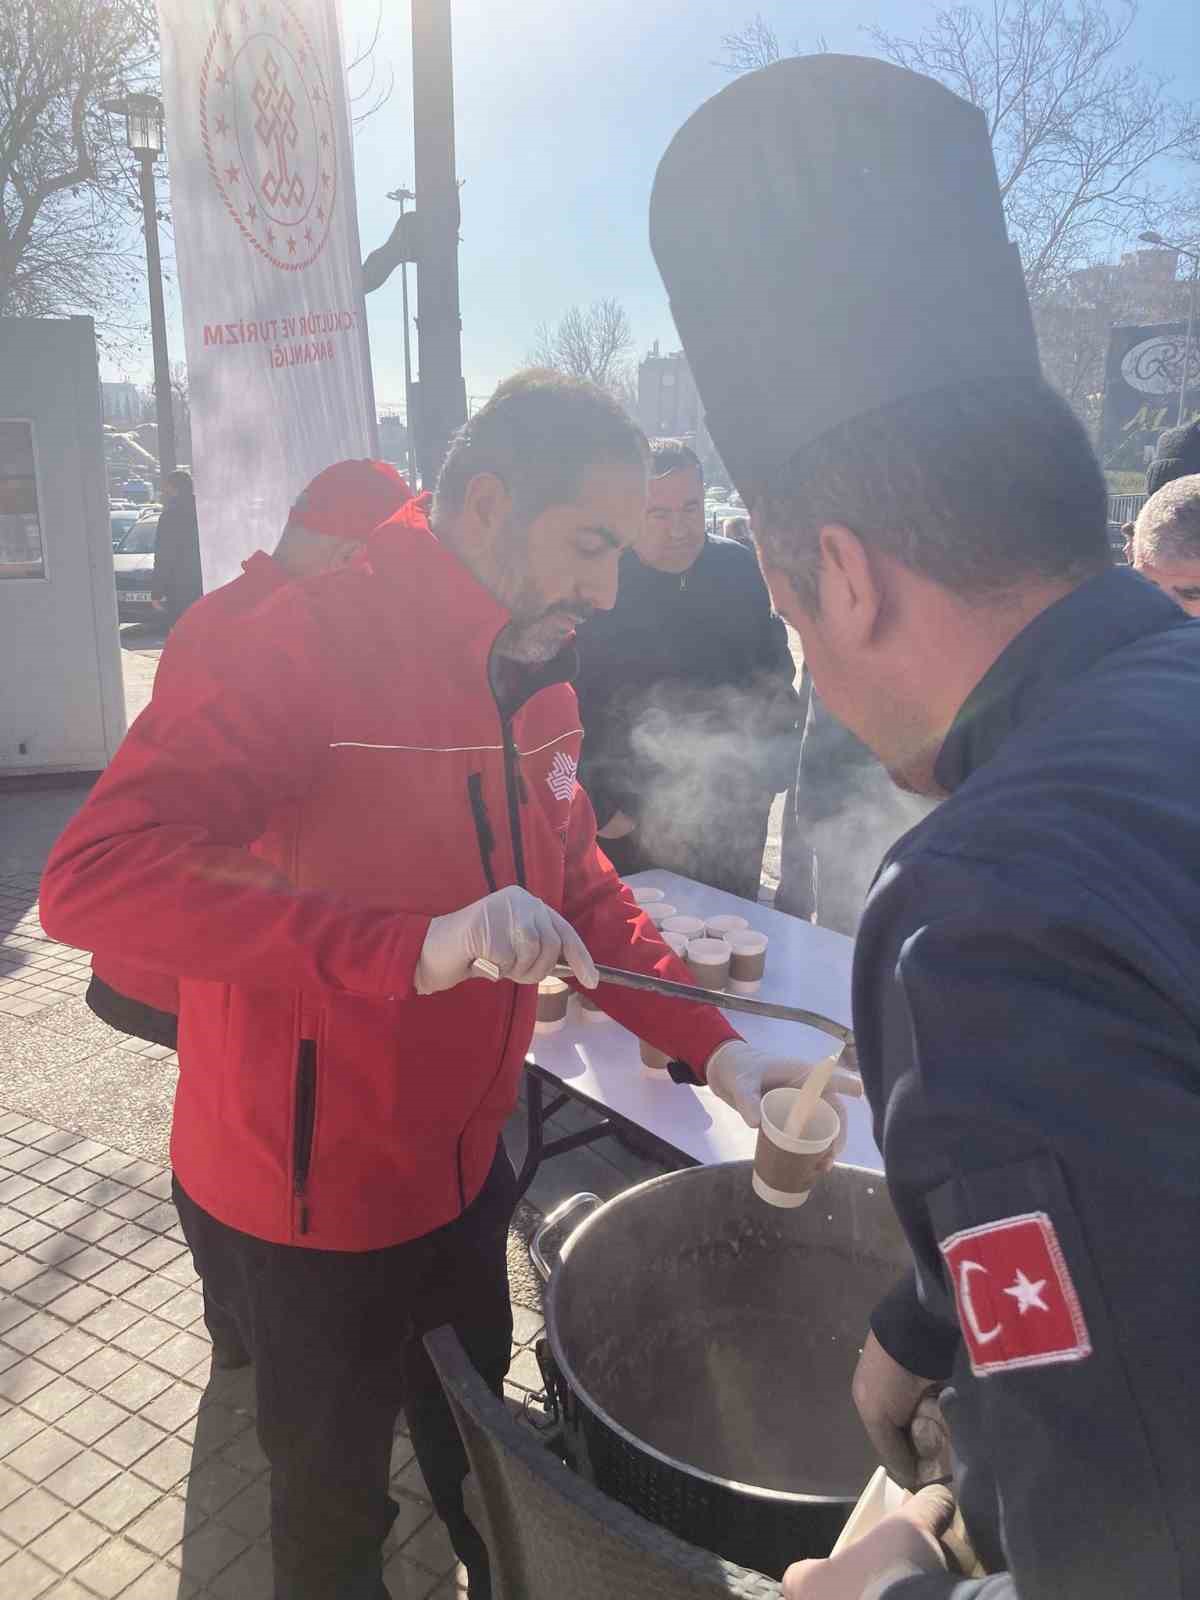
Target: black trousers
x=335 y=1337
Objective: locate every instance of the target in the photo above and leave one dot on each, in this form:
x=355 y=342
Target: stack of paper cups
x=747 y=961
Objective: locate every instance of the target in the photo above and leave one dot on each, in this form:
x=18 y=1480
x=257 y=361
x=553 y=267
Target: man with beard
x=373 y=788
x=685 y=687
x=932 y=520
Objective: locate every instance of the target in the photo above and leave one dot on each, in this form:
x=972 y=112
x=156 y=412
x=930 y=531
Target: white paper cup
x=785 y=1166
x=747 y=960
x=646 y=897
x=552 y=1002
x=659 y=912
x=677 y=941
x=689 y=927
x=708 y=962
x=722 y=927
x=654 y=1060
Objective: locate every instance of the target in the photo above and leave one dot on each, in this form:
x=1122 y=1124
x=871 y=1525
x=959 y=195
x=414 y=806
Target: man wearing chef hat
x=932 y=520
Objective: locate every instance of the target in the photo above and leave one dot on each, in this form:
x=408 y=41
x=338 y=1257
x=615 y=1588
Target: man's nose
x=601 y=591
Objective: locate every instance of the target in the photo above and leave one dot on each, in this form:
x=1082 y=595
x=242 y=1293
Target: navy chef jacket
x=1027 y=1008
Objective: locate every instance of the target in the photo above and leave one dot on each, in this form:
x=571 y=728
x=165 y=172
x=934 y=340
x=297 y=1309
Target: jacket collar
x=264 y=572
x=1060 y=644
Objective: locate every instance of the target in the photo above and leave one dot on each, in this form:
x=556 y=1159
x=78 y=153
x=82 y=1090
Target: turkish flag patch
x=1017 y=1306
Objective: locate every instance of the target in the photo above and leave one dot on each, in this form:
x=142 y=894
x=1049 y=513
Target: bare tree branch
x=595 y=344
x=756 y=45
x=365 y=56
x=1079 y=136
x=65 y=231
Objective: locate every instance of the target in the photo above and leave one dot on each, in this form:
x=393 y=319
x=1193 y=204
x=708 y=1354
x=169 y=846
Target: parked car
x=133 y=569
x=121 y=520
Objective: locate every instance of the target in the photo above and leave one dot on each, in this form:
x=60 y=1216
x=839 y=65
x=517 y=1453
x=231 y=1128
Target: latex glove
x=741 y=1075
x=888 y=1398
x=511 y=928
x=904 y=1545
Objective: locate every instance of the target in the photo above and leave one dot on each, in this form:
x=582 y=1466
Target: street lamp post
x=144 y=136
x=404 y=195
x=1194 y=257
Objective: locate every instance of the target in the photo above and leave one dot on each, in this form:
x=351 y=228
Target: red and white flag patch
x=1017 y=1306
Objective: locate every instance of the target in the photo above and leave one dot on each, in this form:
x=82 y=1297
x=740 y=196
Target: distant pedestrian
x=1165 y=543
x=1176 y=455
x=738 y=529
x=177 y=577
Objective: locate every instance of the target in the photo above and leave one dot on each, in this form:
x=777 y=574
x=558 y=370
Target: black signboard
x=1141 y=388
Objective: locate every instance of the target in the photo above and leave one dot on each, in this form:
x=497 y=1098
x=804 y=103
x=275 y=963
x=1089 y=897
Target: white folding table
x=597 y=1063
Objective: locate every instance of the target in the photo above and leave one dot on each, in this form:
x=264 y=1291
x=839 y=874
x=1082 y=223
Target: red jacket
x=201 y=628
x=352 y=737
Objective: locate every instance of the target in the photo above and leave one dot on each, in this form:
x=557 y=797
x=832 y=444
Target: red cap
x=350 y=499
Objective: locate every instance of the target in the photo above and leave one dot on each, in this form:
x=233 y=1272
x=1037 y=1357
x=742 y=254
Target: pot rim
x=570 y=1378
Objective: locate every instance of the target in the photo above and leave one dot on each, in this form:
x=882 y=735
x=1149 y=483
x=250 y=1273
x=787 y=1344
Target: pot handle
x=564 y=1209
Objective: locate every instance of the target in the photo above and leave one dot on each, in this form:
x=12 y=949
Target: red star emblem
x=325 y=178
x=222 y=77
x=233 y=174
x=222 y=126
x=252 y=212
x=308 y=235
x=291 y=246
x=270 y=235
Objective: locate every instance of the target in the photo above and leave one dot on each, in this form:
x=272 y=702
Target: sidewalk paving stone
x=127 y=1470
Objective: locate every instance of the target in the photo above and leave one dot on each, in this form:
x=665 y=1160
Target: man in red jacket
x=325 y=528
x=321 y=831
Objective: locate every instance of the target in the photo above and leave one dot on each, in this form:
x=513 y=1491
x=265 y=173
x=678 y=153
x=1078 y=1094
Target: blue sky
x=563 y=109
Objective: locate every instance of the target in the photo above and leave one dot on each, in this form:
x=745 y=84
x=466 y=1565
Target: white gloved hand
x=741 y=1075
x=513 y=929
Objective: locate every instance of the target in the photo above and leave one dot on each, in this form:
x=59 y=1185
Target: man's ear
x=851 y=599
x=487 y=503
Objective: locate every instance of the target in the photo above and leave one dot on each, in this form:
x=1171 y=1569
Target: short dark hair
x=539 y=433
x=672 y=455
x=978 y=486
x=180 y=479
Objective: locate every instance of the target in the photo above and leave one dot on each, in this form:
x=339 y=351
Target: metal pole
x=408 y=405
x=439 y=325
x=164 y=411
x=1187 y=341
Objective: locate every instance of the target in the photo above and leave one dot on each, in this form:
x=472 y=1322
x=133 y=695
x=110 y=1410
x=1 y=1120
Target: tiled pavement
x=126 y=1469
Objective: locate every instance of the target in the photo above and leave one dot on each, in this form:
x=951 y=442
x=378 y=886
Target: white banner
x=270 y=273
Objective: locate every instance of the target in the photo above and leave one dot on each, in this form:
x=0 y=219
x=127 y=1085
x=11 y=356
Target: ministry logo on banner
x=268 y=258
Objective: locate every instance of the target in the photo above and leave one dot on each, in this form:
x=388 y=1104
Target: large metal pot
x=701 y=1347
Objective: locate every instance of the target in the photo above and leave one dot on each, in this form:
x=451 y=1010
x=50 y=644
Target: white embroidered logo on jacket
x=561 y=778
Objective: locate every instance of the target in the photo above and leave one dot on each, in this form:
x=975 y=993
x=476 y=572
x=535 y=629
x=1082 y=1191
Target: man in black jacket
x=932 y=520
x=685 y=689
